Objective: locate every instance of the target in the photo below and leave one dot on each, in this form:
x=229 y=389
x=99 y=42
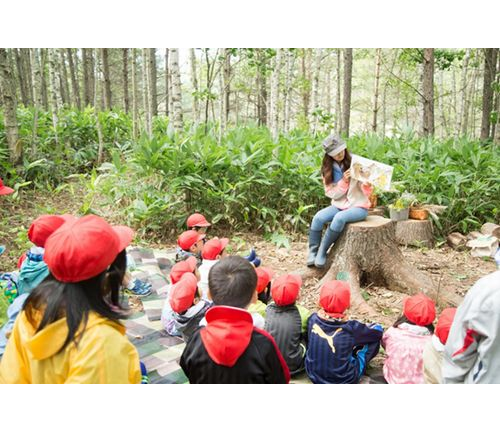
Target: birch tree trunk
x=168 y=99
x=108 y=98
x=126 y=102
x=462 y=113
x=444 y=123
x=275 y=81
x=135 y=127
x=35 y=77
x=194 y=83
x=99 y=56
x=145 y=91
x=378 y=61
x=338 y=109
x=346 y=102
x=176 y=89
x=7 y=92
x=428 y=92
x=63 y=76
x=313 y=115
x=54 y=96
x=153 y=93
x=290 y=60
x=490 y=63
x=74 y=80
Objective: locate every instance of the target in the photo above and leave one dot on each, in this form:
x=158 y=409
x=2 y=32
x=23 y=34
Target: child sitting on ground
x=176 y=272
x=284 y=321
x=404 y=342
x=434 y=350
x=213 y=250
x=339 y=349
x=189 y=243
x=198 y=222
x=264 y=276
x=189 y=309
x=230 y=349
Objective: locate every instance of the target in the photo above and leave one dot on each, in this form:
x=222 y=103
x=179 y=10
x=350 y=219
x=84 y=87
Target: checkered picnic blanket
x=159 y=351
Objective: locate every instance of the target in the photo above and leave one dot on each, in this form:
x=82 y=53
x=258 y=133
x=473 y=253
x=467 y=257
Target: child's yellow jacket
x=104 y=354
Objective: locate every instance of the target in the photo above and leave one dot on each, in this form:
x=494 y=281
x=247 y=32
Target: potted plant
x=417 y=211
x=399 y=210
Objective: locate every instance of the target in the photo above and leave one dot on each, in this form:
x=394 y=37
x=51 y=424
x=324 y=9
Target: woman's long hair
x=402 y=319
x=74 y=301
x=327 y=166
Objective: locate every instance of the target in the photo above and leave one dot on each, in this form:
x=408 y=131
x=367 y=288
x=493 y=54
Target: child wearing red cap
x=176 y=273
x=264 y=276
x=229 y=349
x=284 y=321
x=338 y=349
x=187 y=305
x=198 y=222
x=404 y=342
x=472 y=352
x=434 y=350
x=69 y=330
x=189 y=243
x=213 y=250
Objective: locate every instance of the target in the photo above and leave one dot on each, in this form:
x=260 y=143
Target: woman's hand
x=347 y=176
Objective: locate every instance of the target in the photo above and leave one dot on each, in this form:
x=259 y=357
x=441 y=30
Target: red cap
x=4 y=190
x=188 y=239
x=264 y=276
x=42 y=227
x=181 y=268
x=419 y=309
x=183 y=292
x=197 y=220
x=335 y=298
x=84 y=248
x=285 y=289
x=444 y=323
x=214 y=247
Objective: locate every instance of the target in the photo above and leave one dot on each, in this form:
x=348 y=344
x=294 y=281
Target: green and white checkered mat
x=159 y=351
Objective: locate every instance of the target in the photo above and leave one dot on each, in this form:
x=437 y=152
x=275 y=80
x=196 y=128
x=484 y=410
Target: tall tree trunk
x=338 y=106
x=168 y=101
x=490 y=63
x=43 y=78
x=261 y=89
x=74 y=79
x=444 y=122
x=428 y=92
x=98 y=90
x=290 y=60
x=176 y=89
x=226 y=73
x=21 y=77
x=274 y=108
x=63 y=77
x=463 y=110
x=473 y=99
x=153 y=93
x=145 y=91
x=35 y=76
x=125 y=79
x=54 y=94
x=88 y=76
x=306 y=89
x=7 y=92
x=495 y=135
x=108 y=99
x=135 y=127
x=27 y=67
x=346 y=102
x=378 y=61
x=313 y=115
x=194 y=83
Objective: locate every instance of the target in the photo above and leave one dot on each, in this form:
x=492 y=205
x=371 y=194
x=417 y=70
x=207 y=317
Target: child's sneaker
x=138 y=288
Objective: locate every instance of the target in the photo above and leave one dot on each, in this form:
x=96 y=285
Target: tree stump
x=368 y=251
x=415 y=233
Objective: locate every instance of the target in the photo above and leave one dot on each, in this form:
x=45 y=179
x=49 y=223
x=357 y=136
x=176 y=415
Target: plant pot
x=399 y=215
x=419 y=213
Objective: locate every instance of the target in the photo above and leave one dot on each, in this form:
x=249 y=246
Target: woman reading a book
x=350 y=200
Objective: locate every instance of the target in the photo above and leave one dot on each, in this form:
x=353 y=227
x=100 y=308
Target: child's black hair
x=265 y=295
x=232 y=282
x=402 y=319
x=74 y=301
